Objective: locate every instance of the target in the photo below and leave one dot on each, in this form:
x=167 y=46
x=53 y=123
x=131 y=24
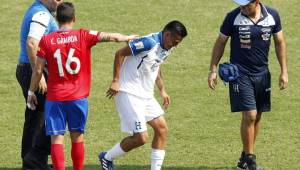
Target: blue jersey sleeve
x=140 y=45
x=277 y=27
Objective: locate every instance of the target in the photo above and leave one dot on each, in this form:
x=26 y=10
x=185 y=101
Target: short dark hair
x=65 y=12
x=176 y=27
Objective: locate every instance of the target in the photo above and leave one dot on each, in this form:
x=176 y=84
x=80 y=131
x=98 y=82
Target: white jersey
x=139 y=71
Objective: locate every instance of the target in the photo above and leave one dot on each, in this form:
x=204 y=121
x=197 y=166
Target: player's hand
x=166 y=99
x=42 y=85
x=31 y=100
x=113 y=90
x=283 y=81
x=212 y=80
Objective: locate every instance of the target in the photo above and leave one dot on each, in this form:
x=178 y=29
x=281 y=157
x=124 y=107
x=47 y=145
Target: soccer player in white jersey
x=136 y=71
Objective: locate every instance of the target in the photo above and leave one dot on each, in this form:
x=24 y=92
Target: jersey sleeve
x=41 y=53
x=277 y=27
x=90 y=37
x=140 y=45
x=38 y=25
x=227 y=26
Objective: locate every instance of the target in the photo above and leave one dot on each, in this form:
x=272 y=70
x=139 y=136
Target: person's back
x=66 y=54
x=68 y=61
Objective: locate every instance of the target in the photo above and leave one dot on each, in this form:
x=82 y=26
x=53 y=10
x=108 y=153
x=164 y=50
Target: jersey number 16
x=70 y=59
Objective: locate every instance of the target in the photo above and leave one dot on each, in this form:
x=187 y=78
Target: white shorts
x=135 y=112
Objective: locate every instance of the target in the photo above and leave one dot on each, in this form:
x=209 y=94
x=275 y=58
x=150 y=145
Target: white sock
x=157 y=158
x=114 y=152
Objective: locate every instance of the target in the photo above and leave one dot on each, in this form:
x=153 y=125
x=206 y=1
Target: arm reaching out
x=115 y=37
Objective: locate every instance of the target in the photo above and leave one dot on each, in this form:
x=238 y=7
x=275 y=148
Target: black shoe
x=37 y=161
x=240 y=162
x=248 y=162
x=26 y=166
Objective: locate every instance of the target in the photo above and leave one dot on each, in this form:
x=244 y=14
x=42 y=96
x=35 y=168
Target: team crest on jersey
x=155 y=65
x=139 y=45
x=266 y=34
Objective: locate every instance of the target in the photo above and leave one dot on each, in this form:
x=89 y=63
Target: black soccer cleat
x=248 y=162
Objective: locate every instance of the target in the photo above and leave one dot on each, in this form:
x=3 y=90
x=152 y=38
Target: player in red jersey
x=66 y=54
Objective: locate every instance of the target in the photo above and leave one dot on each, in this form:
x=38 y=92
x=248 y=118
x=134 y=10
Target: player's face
x=52 y=4
x=171 y=40
x=250 y=8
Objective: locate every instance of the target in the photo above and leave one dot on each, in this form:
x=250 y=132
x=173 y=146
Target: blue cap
x=242 y=2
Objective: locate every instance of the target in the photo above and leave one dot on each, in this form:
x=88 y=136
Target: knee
x=258 y=116
x=249 y=117
x=141 y=138
x=161 y=131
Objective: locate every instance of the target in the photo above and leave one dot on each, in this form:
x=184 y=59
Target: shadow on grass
x=136 y=167
x=140 y=167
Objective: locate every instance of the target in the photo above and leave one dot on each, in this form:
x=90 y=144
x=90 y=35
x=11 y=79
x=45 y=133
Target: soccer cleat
x=105 y=164
x=248 y=162
x=240 y=162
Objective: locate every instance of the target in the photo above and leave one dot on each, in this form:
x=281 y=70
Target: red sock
x=57 y=156
x=77 y=154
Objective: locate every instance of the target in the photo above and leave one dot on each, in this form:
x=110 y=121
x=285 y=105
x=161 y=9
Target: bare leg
x=159 y=142
x=257 y=124
x=248 y=130
x=160 y=128
x=131 y=142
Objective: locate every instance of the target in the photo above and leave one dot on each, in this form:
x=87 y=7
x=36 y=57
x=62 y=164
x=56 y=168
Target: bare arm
x=280 y=48
x=217 y=53
x=159 y=81
x=35 y=79
x=32 y=45
x=114 y=37
x=37 y=74
x=160 y=84
x=119 y=59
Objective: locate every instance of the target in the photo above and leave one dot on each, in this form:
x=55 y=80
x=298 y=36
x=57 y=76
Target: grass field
x=204 y=135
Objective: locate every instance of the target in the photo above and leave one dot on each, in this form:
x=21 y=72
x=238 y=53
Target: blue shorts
x=59 y=113
x=251 y=93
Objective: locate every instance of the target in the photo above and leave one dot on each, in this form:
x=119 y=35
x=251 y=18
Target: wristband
x=30 y=93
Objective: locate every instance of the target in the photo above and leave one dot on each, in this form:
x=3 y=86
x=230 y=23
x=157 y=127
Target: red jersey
x=68 y=59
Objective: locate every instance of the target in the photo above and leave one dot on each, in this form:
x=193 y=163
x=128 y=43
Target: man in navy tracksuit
x=250 y=28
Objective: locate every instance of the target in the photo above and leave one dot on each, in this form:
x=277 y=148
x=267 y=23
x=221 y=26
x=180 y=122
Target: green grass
x=204 y=135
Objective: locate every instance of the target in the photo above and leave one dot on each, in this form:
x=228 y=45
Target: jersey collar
x=264 y=14
x=160 y=38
